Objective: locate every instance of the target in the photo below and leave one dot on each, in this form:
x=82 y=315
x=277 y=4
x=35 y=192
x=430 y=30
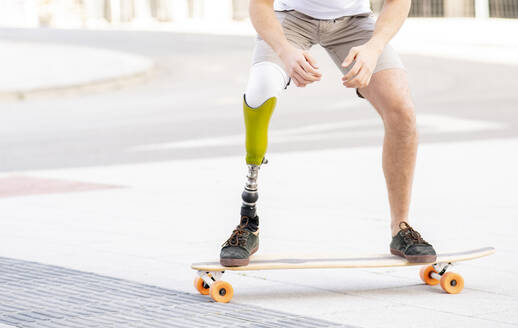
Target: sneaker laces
x=410 y=236
x=239 y=235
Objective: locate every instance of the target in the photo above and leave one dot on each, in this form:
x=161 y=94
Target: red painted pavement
x=19 y=185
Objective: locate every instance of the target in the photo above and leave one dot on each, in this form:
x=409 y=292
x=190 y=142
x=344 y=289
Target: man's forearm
x=389 y=22
x=267 y=25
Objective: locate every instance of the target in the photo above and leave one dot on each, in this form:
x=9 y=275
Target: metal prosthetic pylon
x=250 y=194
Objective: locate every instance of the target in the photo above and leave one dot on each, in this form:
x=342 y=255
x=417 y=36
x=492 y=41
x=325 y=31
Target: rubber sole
x=237 y=262
x=415 y=258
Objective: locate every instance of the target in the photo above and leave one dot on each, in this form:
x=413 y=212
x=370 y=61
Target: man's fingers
x=304 y=79
x=296 y=77
x=307 y=76
x=311 y=60
x=309 y=69
x=354 y=81
x=359 y=81
x=353 y=72
x=368 y=79
x=301 y=81
x=365 y=77
x=350 y=57
x=295 y=80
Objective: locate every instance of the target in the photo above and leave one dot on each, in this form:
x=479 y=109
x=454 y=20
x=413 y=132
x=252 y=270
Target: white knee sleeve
x=266 y=80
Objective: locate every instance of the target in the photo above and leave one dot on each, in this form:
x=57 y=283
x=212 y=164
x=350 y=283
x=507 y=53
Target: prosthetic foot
x=244 y=240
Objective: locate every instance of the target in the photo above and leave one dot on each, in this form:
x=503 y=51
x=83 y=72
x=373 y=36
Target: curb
x=42 y=69
x=74 y=89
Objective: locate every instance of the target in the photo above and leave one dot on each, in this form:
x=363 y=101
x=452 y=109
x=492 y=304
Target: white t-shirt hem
x=361 y=7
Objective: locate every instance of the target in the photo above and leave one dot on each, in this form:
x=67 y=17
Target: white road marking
x=428 y=124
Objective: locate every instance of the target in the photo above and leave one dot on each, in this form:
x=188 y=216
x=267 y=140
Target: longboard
x=209 y=280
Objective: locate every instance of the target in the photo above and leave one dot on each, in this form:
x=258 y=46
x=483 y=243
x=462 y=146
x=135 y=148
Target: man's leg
x=389 y=93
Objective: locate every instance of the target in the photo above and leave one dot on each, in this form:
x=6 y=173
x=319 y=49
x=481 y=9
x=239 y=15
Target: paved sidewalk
x=35 y=295
x=163 y=216
x=32 y=67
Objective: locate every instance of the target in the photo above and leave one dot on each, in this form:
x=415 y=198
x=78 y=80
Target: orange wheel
x=424 y=273
x=452 y=283
x=221 y=291
x=201 y=286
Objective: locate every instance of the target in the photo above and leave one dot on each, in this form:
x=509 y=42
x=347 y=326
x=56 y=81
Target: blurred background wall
x=99 y=13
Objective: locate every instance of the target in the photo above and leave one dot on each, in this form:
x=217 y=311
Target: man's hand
x=301 y=67
x=365 y=57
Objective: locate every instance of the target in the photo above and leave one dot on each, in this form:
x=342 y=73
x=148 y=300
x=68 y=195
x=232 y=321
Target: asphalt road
x=191 y=105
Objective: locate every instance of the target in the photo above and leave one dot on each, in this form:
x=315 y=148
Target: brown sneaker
x=409 y=244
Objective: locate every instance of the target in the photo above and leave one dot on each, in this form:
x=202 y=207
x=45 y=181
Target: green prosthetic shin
x=256 y=124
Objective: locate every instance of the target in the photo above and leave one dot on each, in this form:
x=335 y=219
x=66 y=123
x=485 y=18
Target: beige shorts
x=337 y=36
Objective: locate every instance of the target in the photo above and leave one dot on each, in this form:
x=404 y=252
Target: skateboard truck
x=441 y=269
x=210 y=277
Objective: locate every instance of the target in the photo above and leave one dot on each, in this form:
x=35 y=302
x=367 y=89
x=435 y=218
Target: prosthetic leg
x=256 y=124
x=266 y=81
